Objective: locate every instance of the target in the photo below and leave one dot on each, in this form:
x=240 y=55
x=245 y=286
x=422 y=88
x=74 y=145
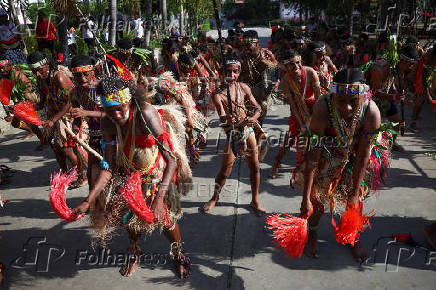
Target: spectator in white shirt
x=89 y=33
x=71 y=39
x=138 y=27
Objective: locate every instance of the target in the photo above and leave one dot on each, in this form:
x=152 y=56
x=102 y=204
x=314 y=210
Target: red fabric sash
x=148 y=141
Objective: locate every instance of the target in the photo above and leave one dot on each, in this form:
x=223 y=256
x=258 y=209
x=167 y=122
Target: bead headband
x=233 y=61
x=117 y=98
x=348 y=89
x=406 y=58
x=319 y=49
x=83 y=68
x=293 y=59
x=38 y=64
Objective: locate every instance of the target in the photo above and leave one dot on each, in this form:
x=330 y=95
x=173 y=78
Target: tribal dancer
x=23 y=90
x=316 y=58
x=86 y=104
x=137 y=60
x=178 y=93
x=208 y=82
x=363 y=50
x=381 y=76
x=210 y=52
x=240 y=134
x=425 y=84
x=55 y=85
x=350 y=157
x=301 y=87
x=196 y=77
x=256 y=63
x=167 y=59
x=138 y=139
x=407 y=70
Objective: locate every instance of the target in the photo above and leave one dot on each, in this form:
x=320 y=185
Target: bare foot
x=263 y=152
x=273 y=172
x=430 y=234
x=312 y=245
x=81 y=208
x=81 y=181
x=183 y=266
x=28 y=136
x=210 y=205
x=2 y=273
x=258 y=209
x=130 y=268
x=359 y=253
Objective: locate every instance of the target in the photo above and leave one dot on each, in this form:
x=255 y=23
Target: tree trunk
x=17 y=21
x=163 y=10
x=86 y=4
x=14 y=13
x=113 y=22
x=26 y=27
x=350 y=17
x=61 y=20
x=148 y=21
x=182 y=19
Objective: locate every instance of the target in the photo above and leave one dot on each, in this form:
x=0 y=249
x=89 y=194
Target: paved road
x=230 y=248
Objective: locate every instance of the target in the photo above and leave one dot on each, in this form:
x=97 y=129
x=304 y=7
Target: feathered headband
x=117 y=98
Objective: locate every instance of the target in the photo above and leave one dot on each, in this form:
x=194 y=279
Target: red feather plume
x=59 y=183
x=6 y=87
x=132 y=194
x=26 y=112
x=352 y=223
x=290 y=233
x=121 y=69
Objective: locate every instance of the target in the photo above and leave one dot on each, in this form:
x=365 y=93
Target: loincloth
x=333 y=180
x=112 y=212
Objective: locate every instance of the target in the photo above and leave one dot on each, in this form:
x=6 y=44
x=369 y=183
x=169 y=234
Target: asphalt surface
x=229 y=248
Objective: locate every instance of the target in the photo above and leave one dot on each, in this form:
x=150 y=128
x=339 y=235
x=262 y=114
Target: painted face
x=118 y=113
x=251 y=47
x=232 y=72
x=294 y=66
x=5 y=70
x=84 y=79
x=42 y=72
x=319 y=57
x=347 y=105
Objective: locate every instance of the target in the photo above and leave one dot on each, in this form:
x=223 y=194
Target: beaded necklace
x=345 y=131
